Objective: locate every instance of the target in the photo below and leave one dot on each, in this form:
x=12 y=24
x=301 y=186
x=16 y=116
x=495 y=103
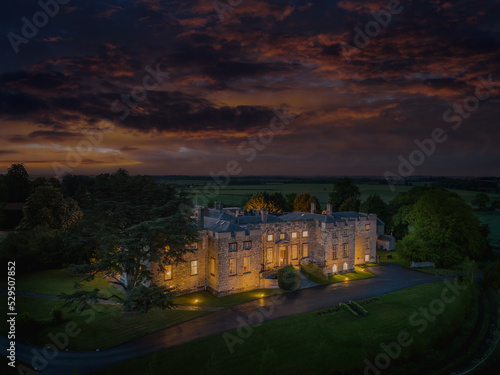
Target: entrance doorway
x=283 y=255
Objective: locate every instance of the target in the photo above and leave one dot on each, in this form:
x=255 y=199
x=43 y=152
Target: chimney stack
x=263 y=216
x=329 y=208
x=313 y=207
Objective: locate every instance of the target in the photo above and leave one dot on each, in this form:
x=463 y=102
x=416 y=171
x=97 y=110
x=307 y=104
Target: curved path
x=389 y=278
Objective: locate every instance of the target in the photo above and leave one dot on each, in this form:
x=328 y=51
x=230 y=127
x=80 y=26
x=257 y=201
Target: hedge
x=314 y=273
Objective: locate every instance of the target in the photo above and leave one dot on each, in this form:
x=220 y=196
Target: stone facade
x=238 y=248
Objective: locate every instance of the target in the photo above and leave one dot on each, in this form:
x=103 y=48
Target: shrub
x=288 y=278
x=314 y=273
x=57 y=315
x=346 y=307
x=359 y=307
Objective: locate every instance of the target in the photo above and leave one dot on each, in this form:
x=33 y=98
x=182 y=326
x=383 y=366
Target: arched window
x=334 y=268
x=345 y=266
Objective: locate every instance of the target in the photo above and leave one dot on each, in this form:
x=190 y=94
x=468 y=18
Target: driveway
x=389 y=278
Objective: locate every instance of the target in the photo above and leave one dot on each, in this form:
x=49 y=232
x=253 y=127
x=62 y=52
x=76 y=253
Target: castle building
x=238 y=249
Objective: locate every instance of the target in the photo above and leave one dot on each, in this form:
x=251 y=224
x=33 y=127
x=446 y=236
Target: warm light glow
x=362 y=269
x=346 y=279
x=262 y=295
x=195 y=300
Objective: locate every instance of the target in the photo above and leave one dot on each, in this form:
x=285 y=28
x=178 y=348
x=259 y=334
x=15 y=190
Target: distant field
x=234 y=194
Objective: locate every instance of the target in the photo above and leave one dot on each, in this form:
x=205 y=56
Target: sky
x=194 y=87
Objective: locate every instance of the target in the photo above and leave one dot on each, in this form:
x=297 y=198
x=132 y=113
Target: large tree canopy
x=18 y=183
x=302 y=202
x=134 y=221
x=375 y=205
x=46 y=206
x=442 y=229
x=273 y=203
x=345 y=195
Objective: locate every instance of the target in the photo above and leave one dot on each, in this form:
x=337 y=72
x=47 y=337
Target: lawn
x=396 y=258
x=60 y=280
x=359 y=273
x=207 y=299
x=106 y=326
x=327 y=344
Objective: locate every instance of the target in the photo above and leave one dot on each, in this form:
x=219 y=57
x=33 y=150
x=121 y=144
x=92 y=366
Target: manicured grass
x=492 y=218
x=396 y=258
x=367 y=265
x=359 y=273
x=207 y=299
x=60 y=280
x=327 y=344
x=105 y=326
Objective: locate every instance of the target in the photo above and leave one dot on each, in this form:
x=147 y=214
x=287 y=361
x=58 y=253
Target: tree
x=139 y=223
x=18 y=183
x=290 y=198
x=47 y=207
x=375 y=205
x=302 y=203
x=481 y=200
x=343 y=190
x=273 y=203
x=443 y=230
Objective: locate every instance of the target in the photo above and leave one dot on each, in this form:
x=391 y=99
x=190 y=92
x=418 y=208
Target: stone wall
x=241 y=281
x=338 y=234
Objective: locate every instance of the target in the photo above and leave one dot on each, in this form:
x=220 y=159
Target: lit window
x=346 y=267
x=334 y=251
x=167 y=249
x=232 y=266
x=247 y=245
x=334 y=268
x=294 y=234
x=305 y=250
x=295 y=252
x=282 y=236
x=345 y=233
x=367 y=243
x=367 y=226
x=367 y=258
x=246 y=264
x=194 y=246
x=212 y=266
x=346 y=250
x=168 y=273
x=305 y=233
x=194 y=267
x=270 y=237
x=233 y=246
x=269 y=255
